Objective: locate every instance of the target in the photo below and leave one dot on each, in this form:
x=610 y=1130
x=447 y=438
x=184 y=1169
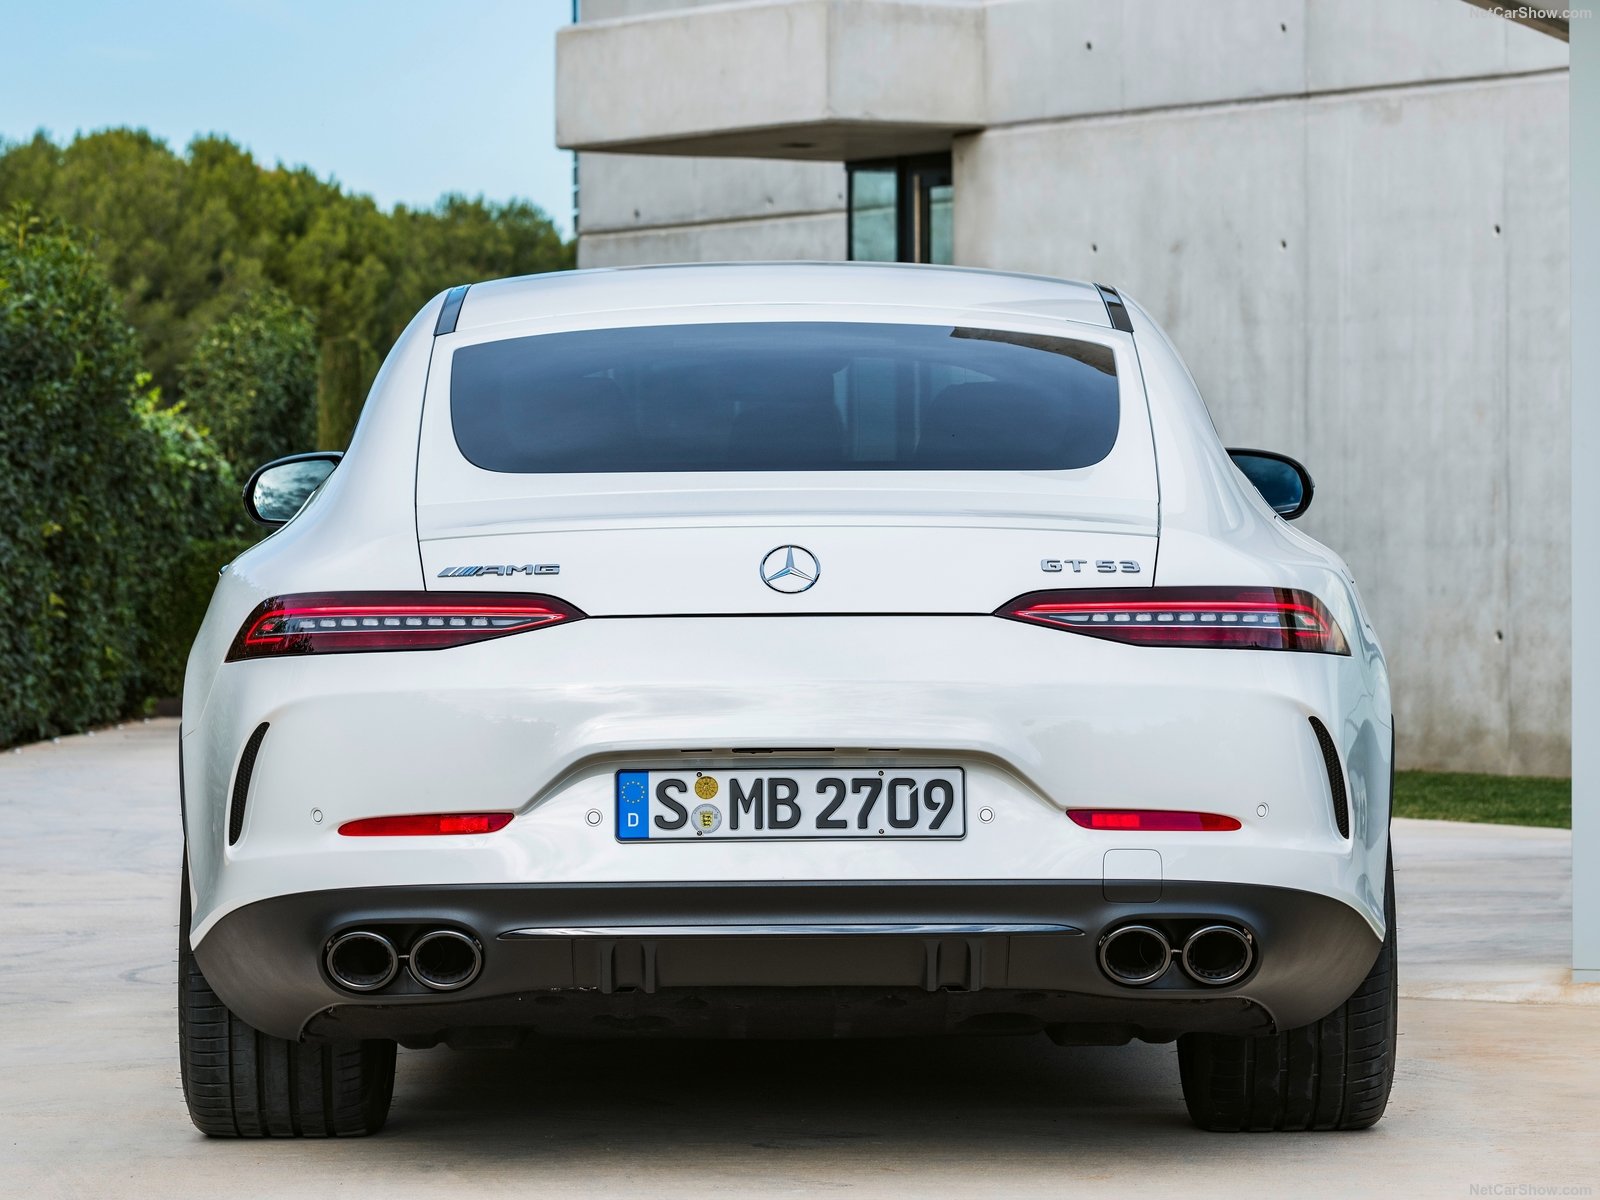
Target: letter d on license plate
x=746 y=805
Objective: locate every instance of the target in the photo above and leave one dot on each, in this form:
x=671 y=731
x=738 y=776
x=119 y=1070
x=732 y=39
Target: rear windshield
x=811 y=396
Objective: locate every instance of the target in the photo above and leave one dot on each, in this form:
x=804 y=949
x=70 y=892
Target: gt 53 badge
x=1105 y=566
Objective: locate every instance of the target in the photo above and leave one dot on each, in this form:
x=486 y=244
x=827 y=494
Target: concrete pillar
x=1585 y=85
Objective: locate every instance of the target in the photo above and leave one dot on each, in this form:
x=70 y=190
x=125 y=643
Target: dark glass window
x=902 y=210
x=873 y=215
x=758 y=396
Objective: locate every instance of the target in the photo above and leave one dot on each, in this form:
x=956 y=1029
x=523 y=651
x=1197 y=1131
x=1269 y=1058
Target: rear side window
x=761 y=396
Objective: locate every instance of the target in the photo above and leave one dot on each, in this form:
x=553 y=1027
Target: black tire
x=1332 y=1074
x=239 y=1082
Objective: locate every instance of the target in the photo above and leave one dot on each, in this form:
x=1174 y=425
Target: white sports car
x=785 y=651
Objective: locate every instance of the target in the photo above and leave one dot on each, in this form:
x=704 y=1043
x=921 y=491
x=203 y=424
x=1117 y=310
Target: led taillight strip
x=346 y=622
x=1217 y=617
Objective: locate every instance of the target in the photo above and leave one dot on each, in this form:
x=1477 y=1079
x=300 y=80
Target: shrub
x=184 y=236
x=100 y=493
x=180 y=597
x=252 y=381
x=344 y=368
x=192 y=524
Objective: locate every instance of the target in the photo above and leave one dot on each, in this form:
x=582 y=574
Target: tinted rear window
x=809 y=396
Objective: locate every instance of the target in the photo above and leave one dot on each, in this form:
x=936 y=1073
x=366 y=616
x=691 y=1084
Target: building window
x=902 y=210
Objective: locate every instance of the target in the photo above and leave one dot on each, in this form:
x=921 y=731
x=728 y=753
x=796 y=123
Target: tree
x=252 y=381
x=187 y=239
x=345 y=364
x=101 y=490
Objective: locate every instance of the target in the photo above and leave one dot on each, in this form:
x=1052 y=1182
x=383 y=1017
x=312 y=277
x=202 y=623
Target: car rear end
x=788 y=670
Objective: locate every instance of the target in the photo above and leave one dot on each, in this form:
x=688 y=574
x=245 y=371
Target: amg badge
x=526 y=569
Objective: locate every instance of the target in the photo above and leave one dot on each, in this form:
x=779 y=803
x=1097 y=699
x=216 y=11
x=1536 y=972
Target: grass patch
x=1500 y=799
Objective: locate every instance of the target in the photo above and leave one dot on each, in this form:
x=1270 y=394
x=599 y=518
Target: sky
x=401 y=100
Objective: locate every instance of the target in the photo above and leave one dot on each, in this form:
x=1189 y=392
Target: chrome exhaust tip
x=445 y=960
x=362 y=961
x=1134 y=955
x=1218 y=955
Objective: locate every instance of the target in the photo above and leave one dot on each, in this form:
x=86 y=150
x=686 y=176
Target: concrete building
x=1351 y=215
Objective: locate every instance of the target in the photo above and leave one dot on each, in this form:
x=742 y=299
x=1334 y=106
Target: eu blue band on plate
x=633 y=804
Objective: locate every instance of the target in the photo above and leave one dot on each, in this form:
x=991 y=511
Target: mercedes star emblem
x=790 y=569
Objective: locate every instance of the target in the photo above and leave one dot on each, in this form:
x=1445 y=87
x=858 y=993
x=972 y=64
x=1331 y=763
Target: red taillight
x=1225 y=617
x=343 y=622
x=427 y=825
x=1150 y=820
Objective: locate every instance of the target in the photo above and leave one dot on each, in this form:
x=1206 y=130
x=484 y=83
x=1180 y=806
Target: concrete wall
x=1376 y=283
x=1049 y=59
x=1352 y=218
x=826 y=80
x=635 y=208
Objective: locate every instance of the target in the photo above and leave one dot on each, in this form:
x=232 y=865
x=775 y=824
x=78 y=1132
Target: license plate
x=748 y=805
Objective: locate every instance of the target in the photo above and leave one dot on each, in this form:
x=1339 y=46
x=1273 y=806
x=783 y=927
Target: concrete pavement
x=1490 y=1093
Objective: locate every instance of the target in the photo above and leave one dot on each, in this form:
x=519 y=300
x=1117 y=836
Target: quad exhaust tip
x=1135 y=955
x=445 y=959
x=1213 y=955
x=1218 y=955
x=362 y=961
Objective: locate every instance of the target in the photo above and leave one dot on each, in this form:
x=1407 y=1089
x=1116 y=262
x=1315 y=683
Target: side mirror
x=1282 y=482
x=281 y=488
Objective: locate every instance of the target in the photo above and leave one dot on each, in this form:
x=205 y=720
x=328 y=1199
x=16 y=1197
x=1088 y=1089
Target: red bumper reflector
x=427 y=825
x=1150 y=820
x=344 y=622
x=1218 y=617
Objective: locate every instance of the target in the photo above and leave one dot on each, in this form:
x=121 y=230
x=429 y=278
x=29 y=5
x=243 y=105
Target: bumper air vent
x=241 y=782
x=1330 y=759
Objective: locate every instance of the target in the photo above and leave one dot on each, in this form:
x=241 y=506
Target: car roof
x=904 y=285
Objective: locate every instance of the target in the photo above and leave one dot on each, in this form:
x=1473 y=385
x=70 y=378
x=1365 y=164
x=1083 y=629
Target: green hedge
x=102 y=494
x=185 y=236
x=181 y=598
x=192 y=525
x=252 y=381
x=343 y=369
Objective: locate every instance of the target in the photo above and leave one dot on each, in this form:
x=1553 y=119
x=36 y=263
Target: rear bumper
x=538 y=725
x=786 y=959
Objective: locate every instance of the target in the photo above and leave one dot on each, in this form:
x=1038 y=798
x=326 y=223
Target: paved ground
x=1490 y=1094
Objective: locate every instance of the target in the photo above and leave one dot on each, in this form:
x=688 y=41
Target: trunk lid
x=695 y=552
x=923 y=467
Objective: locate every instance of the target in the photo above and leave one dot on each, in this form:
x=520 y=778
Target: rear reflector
x=427 y=825
x=344 y=622
x=1149 y=820
x=1217 y=617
